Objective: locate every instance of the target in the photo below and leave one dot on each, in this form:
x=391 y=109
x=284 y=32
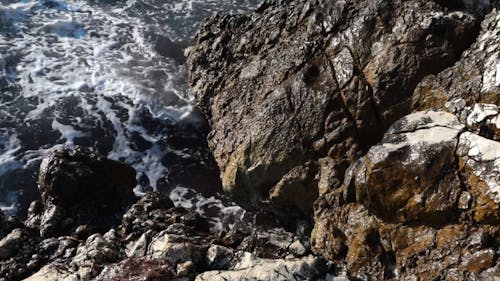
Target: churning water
x=107 y=75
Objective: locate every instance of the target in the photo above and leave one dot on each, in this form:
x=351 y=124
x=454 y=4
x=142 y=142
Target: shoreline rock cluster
x=85 y=229
x=362 y=137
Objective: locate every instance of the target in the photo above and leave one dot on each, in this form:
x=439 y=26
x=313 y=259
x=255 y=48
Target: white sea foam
x=221 y=215
x=90 y=73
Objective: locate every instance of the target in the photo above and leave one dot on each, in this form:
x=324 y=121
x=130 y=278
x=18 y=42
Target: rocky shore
x=362 y=137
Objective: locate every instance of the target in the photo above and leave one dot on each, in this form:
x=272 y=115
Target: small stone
x=480 y=261
x=463 y=200
x=185 y=268
x=297 y=249
x=219 y=257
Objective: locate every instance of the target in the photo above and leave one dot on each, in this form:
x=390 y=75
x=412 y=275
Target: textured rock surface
x=422 y=204
x=265 y=270
x=304 y=80
x=309 y=100
x=308 y=87
x=474 y=78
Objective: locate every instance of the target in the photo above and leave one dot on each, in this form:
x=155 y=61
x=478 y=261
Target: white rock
x=482 y=155
x=267 y=270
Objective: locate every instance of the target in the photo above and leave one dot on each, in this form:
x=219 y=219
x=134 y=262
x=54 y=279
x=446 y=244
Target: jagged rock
x=421 y=204
x=267 y=270
x=305 y=80
x=474 y=78
x=93 y=255
x=80 y=187
x=484 y=120
x=175 y=249
x=34 y=216
x=219 y=257
x=298 y=188
x=70 y=177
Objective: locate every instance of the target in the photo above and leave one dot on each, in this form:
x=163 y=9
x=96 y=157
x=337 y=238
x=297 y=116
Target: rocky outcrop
x=314 y=99
x=301 y=84
x=420 y=205
x=149 y=240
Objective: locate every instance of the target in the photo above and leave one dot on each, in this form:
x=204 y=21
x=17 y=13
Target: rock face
x=282 y=270
x=385 y=111
x=299 y=81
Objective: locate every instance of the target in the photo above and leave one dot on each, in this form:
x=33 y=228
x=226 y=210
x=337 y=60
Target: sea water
x=108 y=75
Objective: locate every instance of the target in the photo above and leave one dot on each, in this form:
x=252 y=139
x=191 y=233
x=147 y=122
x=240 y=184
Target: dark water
x=107 y=75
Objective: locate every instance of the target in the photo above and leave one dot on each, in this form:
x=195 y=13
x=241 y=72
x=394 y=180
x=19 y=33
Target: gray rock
x=92 y=256
x=11 y=243
x=170 y=247
x=484 y=120
x=53 y=272
x=219 y=257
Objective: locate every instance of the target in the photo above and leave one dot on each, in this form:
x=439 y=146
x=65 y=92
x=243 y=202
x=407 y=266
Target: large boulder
x=81 y=188
x=421 y=204
x=299 y=81
x=411 y=175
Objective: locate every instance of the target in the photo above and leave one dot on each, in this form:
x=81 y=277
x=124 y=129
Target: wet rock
x=474 y=78
x=34 y=215
x=81 y=187
x=51 y=220
x=306 y=80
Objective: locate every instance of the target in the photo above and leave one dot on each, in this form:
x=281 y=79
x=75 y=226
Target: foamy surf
x=105 y=75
